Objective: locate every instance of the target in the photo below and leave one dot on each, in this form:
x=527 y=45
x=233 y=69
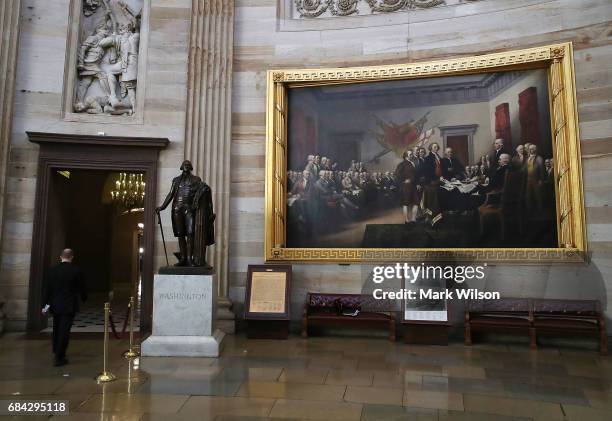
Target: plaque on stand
x=425 y=320
x=266 y=305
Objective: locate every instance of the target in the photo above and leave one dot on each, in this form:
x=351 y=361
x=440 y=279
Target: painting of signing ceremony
x=443 y=162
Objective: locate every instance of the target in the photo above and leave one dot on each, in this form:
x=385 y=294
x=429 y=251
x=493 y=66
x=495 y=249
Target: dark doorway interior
x=106 y=238
x=459 y=144
x=90 y=154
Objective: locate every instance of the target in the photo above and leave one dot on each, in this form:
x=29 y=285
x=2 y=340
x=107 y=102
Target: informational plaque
x=267 y=292
x=426 y=304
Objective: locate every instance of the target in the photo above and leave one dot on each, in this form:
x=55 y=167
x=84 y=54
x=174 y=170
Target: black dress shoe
x=60 y=362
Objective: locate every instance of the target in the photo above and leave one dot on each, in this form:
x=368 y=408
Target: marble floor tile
x=212 y=406
x=397 y=413
x=393 y=378
x=31 y=386
x=367 y=364
x=587 y=370
x=252 y=362
x=337 y=362
x=546 y=393
x=476 y=416
x=350 y=377
x=326 y=411
x=88 y=385
x=303 y=375
x=512 y=407
x=134 y=404
x=249 y=418
x=313 y=392
x=433 y=399
x=180 y=385
x=583 y=413
x=422 y=368
x=250 y=373
x=459 y=385
x=599 y=398
x=464 y=371
x=375 y=395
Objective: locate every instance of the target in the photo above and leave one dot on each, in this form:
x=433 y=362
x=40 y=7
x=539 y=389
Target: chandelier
x=129 y=191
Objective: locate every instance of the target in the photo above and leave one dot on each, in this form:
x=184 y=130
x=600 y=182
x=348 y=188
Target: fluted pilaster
x=209 y=116
x=9 y=37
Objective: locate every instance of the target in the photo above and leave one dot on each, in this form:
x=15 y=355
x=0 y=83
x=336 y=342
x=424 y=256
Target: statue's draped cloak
x=204 y=223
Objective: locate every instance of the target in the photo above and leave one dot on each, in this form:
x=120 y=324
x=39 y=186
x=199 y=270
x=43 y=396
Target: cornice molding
x=83 y=139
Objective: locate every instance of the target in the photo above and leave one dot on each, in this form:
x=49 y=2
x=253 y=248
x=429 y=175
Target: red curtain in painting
x=502 y=123
x=529 y=116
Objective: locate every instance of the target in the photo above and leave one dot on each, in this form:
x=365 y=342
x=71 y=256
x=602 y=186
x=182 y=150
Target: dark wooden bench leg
x=392 y=330
x=468 y=334
x=603 y=340
x=304 y=327
x=533 y=343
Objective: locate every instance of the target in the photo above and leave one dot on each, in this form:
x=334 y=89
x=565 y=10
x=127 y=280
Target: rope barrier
x=125 y=322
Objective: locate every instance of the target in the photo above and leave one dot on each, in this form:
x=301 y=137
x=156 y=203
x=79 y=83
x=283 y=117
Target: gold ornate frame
x=557 y=59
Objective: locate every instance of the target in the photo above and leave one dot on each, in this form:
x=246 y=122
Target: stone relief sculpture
x=109 y=56
x=330 y=8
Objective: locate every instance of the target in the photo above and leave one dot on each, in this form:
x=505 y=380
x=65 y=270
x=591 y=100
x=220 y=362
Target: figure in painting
x=406 y=178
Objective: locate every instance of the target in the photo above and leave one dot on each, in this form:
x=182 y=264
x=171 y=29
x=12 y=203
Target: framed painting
x=467 y=159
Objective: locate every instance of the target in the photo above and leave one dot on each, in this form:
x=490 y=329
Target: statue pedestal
x=225 y=318
x=183 y=317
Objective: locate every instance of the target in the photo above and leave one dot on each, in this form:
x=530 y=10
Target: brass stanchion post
x=130 y=353
x=106 y=376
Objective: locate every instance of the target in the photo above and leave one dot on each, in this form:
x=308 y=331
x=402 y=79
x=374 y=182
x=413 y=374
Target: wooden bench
x=571 y=317
x=536 y=316
x=327 y=310
x=508 y=314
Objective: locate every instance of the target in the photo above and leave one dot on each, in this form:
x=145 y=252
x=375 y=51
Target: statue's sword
x=163 y=239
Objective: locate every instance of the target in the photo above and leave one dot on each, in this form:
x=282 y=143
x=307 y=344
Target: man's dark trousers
x=63 y=286
x=61 y=334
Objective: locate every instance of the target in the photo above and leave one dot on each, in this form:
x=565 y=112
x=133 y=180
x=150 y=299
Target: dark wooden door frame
x=112 y=153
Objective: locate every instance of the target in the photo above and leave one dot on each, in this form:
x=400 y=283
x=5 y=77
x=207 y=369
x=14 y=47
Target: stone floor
x=320 y=378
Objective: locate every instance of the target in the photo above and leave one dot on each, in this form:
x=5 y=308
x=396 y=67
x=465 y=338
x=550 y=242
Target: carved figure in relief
x=109 y=55
x=125 y=70
x=89 y=67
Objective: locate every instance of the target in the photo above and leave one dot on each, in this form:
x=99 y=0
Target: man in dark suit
x=302 y=187
x=406 y=178
x=433 y=164
x=498 y=179
x=452 y=167
x=493 y=158
x=63 y=286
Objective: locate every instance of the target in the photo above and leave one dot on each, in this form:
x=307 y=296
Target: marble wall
x=264 y=41
x=38 y=107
